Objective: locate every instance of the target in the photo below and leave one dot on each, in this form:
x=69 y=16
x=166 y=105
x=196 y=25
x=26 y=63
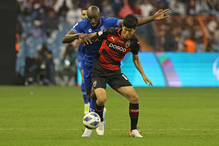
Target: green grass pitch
x=52 y=116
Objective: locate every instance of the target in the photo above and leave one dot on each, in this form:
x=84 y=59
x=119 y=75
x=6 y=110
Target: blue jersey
x=80 y=55
x=80 y=52
x=84 y=26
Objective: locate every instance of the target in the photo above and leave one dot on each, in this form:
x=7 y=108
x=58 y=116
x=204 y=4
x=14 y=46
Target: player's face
x=94 y=19
x=127 y=32
x=83 y=14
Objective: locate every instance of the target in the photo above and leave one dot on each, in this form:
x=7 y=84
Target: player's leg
x=101 y=99
x=87 y=67
x=84 y=94
x=130 y=94
x=83 y=90
x=92 y=102
x=99 y=84
x=88 y=84
x=122 y=85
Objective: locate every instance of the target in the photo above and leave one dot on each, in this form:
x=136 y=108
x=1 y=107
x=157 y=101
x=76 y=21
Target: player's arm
x=160 y=14
x=91 y=36
x=71 y=36
x=138 y=65
x=101 y=35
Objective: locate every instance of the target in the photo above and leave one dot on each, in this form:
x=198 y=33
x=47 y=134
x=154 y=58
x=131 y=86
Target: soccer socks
x=133 y=113
x=83 y=91
x=92 y=105
x=99 y=111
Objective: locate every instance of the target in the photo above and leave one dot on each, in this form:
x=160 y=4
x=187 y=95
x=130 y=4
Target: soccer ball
x=91 y=120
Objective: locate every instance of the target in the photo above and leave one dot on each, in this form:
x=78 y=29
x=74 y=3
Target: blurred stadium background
x=182 y=50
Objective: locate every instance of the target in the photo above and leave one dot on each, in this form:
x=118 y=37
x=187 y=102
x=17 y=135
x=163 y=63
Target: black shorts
x=115 y=81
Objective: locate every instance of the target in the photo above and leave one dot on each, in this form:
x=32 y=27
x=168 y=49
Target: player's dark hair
x=130 y=21
x=85 y=8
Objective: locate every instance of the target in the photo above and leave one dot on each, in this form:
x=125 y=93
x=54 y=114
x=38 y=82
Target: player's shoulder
x=133 y=38
x=134 y=41
x=110 y=20
x=82 y=23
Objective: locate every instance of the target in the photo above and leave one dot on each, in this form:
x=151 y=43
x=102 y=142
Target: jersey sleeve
x=135 y=47
x=113 y=22
x=78 y=27
x=101 y=35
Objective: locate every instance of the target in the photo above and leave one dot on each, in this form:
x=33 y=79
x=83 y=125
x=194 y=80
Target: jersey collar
x=119 y=33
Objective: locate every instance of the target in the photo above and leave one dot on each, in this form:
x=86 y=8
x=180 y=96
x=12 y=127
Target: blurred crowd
x=192 y=27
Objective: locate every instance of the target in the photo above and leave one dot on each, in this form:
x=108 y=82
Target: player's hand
x=147 y=80
x=161 y=14
x=85 y=38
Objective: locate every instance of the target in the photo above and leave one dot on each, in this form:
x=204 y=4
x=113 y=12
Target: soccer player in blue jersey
x=80 y=54
x=93 y=23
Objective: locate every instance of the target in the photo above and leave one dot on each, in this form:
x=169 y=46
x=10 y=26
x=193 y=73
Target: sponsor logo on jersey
x=127 y=44
x=90 y=30
x=113 y=38
x=111 y=45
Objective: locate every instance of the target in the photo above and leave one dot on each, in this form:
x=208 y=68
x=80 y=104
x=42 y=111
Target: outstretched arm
x=91 y=36
x=140 y=69
x=160 y=14
x=71 y=36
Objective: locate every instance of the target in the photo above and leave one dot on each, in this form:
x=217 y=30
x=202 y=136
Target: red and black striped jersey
x=114 y=48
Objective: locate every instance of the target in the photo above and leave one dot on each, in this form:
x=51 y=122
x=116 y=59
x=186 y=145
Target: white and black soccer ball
x=91 y=120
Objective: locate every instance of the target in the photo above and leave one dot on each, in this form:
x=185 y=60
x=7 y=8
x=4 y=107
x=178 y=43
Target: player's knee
x=134 y=98
x=101 y=101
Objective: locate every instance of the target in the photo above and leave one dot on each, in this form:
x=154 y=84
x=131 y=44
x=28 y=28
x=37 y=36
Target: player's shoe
x=134 y=133
x=87 y=133
x=86 y=108
x=100 y=128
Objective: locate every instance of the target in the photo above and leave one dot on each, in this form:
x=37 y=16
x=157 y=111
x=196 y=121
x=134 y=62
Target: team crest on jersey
x=94 y=83
x=127 y=44
x=90 y=30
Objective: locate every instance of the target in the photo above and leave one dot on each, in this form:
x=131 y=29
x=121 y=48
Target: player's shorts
x=114 y=80
x=80 y=60
x=87 y=67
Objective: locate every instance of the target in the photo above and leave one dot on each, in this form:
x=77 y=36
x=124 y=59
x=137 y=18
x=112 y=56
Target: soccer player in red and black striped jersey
x=106 y=68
